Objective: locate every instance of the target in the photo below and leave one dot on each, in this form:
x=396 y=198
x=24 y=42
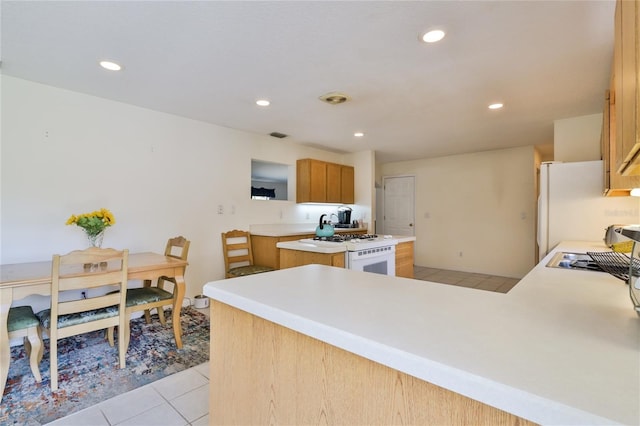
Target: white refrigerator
x=571 y=205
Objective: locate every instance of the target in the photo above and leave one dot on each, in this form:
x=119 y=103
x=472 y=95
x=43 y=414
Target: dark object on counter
x=344 y=216
x=616 y=264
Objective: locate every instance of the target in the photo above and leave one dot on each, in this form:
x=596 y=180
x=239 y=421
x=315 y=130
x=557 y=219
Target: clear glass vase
x=95 y=240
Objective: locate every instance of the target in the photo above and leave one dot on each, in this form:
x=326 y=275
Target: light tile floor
x=180 y=399
x=465 y=279
x=183 y=399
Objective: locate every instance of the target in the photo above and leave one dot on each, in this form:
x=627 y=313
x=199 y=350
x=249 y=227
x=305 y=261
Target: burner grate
x=340 y=238
x=616 y=264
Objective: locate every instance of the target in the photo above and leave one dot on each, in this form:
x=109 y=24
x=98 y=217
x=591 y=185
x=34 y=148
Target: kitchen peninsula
x=279 y=247
x=264 y=239
x=316 y=344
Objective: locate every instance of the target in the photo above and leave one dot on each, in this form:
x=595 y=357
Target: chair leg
x=53 y=356
x=147 y=316
x=127 y=334
x=123 y=341
x=110 y=336
x=163 y=321
x=33 y=347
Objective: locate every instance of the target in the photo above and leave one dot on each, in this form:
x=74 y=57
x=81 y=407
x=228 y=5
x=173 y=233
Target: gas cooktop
x=341 y=238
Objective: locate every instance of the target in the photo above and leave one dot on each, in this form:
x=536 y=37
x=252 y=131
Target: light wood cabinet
x=615 y=184
x=266 y=252
x=347 y=184
x=334 y=183
x=404 y=259
x=626 y=69
x=293 y=258
x=323 y=182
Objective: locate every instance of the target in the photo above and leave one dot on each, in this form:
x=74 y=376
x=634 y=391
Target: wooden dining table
x=20 y=280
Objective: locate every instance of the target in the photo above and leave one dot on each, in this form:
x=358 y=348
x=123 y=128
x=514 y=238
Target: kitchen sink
x=579 y=261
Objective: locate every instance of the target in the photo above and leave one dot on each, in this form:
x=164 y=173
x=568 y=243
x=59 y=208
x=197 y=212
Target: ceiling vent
x=335 y=98
x=278 y=135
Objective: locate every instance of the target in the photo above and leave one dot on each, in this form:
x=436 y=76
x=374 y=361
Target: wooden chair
x=149 y=297
x=22 y=322
x=238 y=255
x=94 y=270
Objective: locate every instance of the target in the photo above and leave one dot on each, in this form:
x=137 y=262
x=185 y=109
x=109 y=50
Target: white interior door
x=399 y=205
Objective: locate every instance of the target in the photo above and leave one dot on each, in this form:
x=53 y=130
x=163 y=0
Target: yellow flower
x=93 y=223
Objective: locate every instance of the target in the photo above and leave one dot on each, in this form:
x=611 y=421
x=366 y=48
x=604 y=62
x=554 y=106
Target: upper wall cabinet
x=615 y=184
x=323 y=182
x=626 y=69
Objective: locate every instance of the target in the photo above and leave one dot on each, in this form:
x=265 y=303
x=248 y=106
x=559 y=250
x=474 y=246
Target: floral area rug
x=88 y=370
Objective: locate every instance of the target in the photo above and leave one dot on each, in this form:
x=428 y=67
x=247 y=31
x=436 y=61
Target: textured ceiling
x=210 y=61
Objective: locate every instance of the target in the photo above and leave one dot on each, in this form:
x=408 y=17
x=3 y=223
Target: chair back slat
x=90 y=255
x=83 y=305
x=177 y=247
x=236 y=248
x=89 y=280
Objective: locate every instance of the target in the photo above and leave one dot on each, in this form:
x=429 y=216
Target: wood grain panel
x=404 y=259
x=347 y=185
x=334 y=183
x=293 y=258
x=264 y=251
x=262 y=373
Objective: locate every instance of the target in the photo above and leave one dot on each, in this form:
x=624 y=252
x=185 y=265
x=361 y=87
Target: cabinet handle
x=411 y=224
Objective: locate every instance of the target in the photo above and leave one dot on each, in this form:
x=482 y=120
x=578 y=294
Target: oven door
x=379 y=260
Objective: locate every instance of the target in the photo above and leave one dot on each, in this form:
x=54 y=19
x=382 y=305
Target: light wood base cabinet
x=266 y=253
x=404 y=259
x=265 y=374
x=293 y=258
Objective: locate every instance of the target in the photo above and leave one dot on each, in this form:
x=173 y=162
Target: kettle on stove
x=324 y=228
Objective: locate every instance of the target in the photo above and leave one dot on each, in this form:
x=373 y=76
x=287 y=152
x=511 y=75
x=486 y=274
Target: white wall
x=577 y=138
x=480 y=204
x=161 y=175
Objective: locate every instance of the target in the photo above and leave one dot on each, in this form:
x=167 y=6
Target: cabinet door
x=318 y=181
x=334 y=179
x=311 y=185
x=347 y=193
x=626 y=69
x=615 y=184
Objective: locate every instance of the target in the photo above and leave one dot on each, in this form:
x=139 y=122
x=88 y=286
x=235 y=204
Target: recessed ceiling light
x=496 y=106
x=433 y=36
x=358 y=134
x=111 y=66
x=263 y=102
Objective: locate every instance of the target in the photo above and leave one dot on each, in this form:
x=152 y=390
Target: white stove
x=365 y=252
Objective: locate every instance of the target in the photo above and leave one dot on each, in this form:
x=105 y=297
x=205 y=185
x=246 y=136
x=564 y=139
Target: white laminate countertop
x=315 y=246
x=562 y=347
